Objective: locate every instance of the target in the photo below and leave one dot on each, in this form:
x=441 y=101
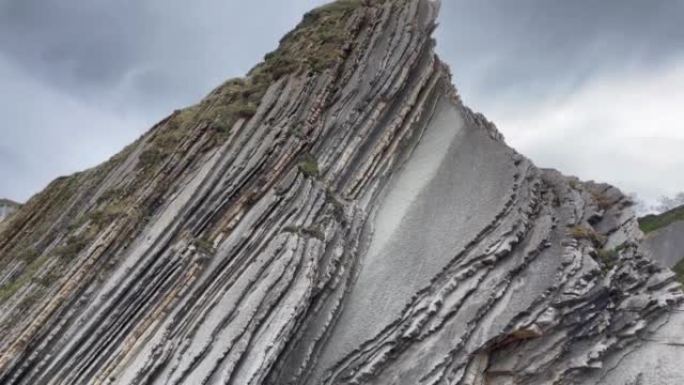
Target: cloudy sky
x=593 y=88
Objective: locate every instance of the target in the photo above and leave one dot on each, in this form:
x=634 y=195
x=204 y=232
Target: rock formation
x=336 y=217
x=7 y=207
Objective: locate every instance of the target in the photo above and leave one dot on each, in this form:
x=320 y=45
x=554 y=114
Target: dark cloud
x=74 y=43
x=588 y=87
x=158 y=51
x=83 y=78
x=546 y=46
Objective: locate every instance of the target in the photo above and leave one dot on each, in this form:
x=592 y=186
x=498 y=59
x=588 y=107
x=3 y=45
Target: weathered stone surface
x=361 y=227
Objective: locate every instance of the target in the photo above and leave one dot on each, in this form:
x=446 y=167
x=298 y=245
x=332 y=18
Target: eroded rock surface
x=356 y=225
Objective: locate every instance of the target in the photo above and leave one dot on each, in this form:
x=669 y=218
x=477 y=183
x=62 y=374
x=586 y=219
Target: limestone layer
x=356 y=225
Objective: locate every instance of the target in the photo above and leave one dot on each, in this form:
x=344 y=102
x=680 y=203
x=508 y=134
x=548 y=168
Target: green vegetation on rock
x=204 y=246
x=587 y=233
x=679 y=270
x=315 y=45
x=608 y=257
x=53 y=227
x=309 y=166
x=311 y=232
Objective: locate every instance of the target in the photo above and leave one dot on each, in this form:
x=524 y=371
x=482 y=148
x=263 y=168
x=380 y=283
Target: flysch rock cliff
x=336 y=217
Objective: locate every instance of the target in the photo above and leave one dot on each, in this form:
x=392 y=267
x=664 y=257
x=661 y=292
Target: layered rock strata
x=357 y=224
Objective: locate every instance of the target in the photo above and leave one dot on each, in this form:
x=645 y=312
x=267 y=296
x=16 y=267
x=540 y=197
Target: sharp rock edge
x=360 y=226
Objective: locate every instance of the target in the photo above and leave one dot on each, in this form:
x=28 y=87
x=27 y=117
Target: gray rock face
x=362 y=227
x=666 y=245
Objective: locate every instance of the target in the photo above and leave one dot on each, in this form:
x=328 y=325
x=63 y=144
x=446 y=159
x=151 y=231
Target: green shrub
x=679 y=270
x=291 y=229
x=607 y=257
x=150 y=157
x=313 y=232
x=337 y=205
x=243 y=109
x=309 y=166
x=72 y=247
x=586 y=233
x=109 y=212
x=204 y=245
x=28 y=255
x=602 y=200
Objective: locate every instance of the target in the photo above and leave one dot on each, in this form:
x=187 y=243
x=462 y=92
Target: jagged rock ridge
x=337 y=217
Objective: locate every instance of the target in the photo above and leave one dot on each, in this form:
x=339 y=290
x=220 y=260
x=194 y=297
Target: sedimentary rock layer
x=357 y=224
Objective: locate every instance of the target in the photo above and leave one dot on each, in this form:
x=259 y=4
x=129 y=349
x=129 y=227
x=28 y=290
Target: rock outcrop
x=7 y=207
x=336 y=217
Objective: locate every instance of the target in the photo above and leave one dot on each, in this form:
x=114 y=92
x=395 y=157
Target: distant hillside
x=665 y=238
x=652 y=223
x=7 y=207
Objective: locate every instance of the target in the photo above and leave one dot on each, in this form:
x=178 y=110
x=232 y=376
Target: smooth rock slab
x=667 y=244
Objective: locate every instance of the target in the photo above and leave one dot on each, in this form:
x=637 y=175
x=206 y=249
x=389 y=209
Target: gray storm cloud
x=548 y=46
x=83 y=78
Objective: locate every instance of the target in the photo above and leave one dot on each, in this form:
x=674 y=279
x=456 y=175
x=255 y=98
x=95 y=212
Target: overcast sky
x=594 y=88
